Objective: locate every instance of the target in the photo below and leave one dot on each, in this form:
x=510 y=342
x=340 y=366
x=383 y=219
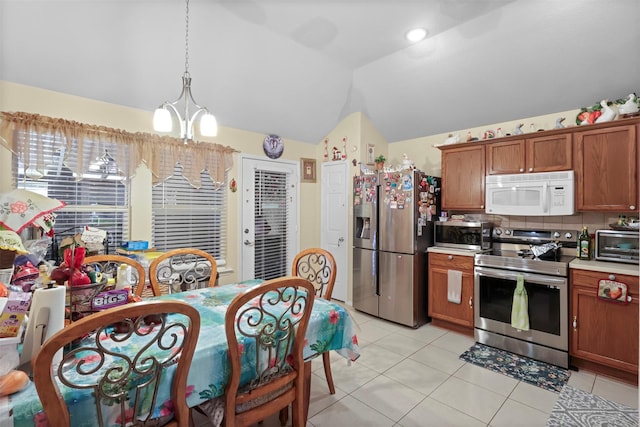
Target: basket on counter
x=80 y=297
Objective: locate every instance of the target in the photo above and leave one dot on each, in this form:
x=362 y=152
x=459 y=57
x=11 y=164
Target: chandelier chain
x=186 y=40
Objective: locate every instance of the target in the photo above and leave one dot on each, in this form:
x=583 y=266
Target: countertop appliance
x=475 y=236
x=530 y=194
x=393 y=214
x=545 y=278
x=617 y=246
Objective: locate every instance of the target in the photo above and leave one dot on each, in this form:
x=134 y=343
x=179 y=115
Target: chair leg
x=327 y=372
x=284 y=416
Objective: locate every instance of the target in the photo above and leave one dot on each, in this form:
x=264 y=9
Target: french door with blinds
x=269 y=227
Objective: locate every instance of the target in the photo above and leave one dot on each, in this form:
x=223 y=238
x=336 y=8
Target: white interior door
x=334 y=221
x=269 y=224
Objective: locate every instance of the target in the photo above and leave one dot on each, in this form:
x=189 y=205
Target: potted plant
x=380 y=161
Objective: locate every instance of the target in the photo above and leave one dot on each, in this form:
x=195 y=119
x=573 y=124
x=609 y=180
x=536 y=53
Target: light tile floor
x=413 y=377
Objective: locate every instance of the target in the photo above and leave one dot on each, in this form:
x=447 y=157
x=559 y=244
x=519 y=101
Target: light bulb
x=416 y=34
x=162 y=120
x=208 y=125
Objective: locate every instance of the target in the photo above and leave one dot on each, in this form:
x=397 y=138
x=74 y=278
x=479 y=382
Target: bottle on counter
x=123 y=279
x=584 y=244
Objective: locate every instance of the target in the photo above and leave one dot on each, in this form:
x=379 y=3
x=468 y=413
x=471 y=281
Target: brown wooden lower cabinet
x=604 y=335
x=439 y=306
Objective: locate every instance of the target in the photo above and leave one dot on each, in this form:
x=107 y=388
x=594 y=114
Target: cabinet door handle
x=575 y=323
x=633 y=208
x=470 y=302
x=612 y=277
x=530 y=169
x=521 y=170
x=450 y=257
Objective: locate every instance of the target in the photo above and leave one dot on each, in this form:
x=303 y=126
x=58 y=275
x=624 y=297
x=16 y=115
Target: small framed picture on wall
x=308 y=170
x=371 y=154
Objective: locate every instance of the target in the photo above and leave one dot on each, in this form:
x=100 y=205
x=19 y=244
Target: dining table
x=330 y=328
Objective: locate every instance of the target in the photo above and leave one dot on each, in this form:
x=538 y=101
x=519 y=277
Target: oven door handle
x=511 y=275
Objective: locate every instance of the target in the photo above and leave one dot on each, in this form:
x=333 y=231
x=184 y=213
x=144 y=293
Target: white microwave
x=530 y=194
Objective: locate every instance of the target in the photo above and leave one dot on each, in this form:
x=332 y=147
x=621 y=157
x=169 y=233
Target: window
x=98 y=198
x=271 y=212
x=186 y=216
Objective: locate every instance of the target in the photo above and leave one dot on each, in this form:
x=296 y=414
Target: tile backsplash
x=592 y=220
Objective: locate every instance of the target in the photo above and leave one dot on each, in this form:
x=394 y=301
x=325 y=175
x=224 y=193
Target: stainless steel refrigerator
x=393 y=214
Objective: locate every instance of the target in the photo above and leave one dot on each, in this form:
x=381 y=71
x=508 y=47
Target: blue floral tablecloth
x=330 y=328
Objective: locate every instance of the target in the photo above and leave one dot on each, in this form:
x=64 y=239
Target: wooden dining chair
x=183 y=269
x=318 y=266
x=109 y=264
x=108 y=364
x=265 y=328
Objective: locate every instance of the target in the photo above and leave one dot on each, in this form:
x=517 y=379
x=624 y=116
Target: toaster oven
x=617 y=246
x=463 y=235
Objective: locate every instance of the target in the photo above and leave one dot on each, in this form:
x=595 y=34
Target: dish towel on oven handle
x=454 y=286
x=520 y=307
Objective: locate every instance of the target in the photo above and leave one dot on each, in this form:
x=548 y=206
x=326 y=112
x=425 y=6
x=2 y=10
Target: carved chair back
x=265 y=328
x=123 y=381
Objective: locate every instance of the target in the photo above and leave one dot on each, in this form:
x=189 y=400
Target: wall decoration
x=308 y=170
x=273 y=146
x=344 y=147
x=326 y=149
x=371 y=154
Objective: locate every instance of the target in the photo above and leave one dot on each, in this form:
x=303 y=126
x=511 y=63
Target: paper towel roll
x=46 y=317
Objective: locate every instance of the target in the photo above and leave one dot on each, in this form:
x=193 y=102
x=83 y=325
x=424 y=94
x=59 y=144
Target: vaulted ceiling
x=297 y=67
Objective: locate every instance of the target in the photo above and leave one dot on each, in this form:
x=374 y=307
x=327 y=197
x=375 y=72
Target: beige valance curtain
x=138 y=147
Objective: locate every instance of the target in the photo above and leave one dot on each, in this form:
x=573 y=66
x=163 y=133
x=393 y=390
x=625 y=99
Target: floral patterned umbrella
x=20 y=208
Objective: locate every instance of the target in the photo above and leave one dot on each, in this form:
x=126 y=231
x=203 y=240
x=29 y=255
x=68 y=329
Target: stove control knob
x=498 y=231
x=568 y=235
x=556 y=235
x=507 y=232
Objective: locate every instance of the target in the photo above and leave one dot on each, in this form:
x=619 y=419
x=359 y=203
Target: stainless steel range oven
x=545 y=280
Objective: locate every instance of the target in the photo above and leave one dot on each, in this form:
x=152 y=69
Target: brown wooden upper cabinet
x=606 y=169
x=536 y=154
x=463 y=177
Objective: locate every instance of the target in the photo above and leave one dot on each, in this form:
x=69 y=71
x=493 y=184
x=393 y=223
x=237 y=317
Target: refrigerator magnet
x=407 y=183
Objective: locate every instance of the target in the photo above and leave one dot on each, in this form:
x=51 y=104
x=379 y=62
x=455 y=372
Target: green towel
x=520 y=307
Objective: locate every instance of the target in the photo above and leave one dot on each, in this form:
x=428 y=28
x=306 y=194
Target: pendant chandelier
x=162 y=120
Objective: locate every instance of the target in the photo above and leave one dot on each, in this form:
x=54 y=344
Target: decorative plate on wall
x=273 y=146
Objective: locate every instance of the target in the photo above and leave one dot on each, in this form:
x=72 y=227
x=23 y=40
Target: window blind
x=271 y=211
x=99 y=198
x=186 y=216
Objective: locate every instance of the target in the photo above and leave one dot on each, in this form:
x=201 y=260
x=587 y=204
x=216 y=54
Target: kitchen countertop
x=452 y=251
x=580 y=264
x=605 y=267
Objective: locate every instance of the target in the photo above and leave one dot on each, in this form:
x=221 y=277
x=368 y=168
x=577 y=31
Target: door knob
x=340 y=240
x=248 y=243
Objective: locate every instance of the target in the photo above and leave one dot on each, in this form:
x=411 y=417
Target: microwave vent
x=526 y=177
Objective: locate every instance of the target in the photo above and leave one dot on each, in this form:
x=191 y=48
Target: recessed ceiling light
x=416 y=34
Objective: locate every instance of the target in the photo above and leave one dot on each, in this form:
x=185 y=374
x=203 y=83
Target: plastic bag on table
x=38 y=247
